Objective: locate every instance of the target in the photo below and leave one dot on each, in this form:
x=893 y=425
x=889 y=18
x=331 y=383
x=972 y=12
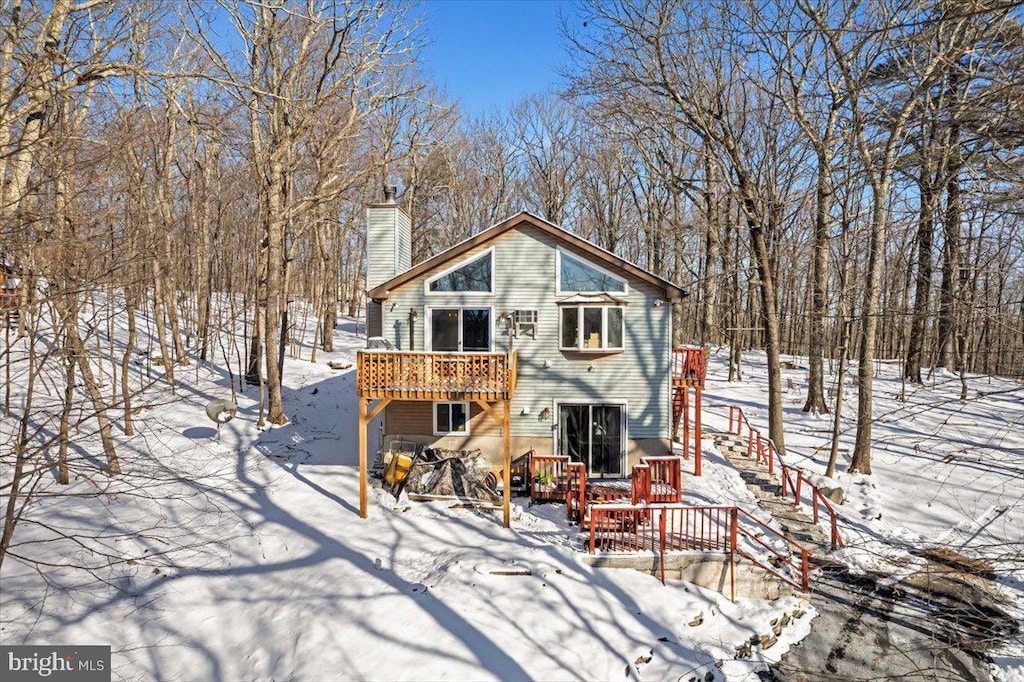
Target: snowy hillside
x=945 y=473
x=245 y=558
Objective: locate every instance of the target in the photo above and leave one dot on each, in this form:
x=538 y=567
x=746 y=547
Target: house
x=523 y=338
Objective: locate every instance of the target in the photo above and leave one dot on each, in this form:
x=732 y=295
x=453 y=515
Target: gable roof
x=592 y=250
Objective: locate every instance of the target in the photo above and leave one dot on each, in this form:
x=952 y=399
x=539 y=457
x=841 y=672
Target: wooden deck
x=482 y=378
x=398 y=375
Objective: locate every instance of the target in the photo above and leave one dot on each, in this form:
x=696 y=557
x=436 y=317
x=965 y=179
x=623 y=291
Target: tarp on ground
x=462 y=473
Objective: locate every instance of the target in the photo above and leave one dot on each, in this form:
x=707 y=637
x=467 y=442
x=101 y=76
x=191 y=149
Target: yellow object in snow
x=398 y=469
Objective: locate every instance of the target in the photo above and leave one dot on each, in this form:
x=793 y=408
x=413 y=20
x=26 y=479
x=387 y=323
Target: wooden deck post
x=686 y=422
x=506 y=468
x=363 y=403
x=365 y=417
x=696 y=432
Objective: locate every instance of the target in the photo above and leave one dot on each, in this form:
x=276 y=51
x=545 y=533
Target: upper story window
x=591 y=328
x=473 y=276
x=576 y=275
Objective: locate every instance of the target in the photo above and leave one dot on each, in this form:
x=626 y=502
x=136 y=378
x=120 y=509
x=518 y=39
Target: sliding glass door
x=592 y=434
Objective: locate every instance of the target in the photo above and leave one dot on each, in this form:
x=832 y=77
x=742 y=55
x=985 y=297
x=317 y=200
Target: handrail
x=632 y=528
x=792 y=477
x=802 y=570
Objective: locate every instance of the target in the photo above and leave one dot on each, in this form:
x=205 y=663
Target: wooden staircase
x=677 y=407
x=689 y=366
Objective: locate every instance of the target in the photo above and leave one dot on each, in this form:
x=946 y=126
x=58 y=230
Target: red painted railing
x=9 y=299
x=576 y=491
x=630 y=529
x=666 y=478
x=641 y=488
x=548 y=477
x=689 y=364
x=621 y=528
x=793 y=478
x=696 y=529
x=655 y=480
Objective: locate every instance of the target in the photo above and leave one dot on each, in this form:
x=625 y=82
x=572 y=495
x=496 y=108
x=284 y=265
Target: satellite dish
x=220 y=411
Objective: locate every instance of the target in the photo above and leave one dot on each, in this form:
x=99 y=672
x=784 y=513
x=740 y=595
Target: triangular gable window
x=576 y=275
x=474 y=275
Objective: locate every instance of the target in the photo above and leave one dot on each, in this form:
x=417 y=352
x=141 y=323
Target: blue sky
x=490 y=53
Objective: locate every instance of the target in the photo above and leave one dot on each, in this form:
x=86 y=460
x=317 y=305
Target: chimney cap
x=390 y=191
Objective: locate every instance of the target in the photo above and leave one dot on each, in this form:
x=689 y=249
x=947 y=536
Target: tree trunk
x=159 y=304
x=126 y=397
x=92 y=388
x=708 y=289
x=923 y=285
x=861 y=460
x=815 y=403
x=275 y=226
x=951 y=263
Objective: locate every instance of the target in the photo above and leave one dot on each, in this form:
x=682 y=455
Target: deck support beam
x=506 y=469
x=686 y=422
x=504 y=420
x=366 y=416
x=696 y=431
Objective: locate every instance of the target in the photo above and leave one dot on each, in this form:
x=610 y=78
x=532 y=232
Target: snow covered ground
x=246 y=559
x=944 y=472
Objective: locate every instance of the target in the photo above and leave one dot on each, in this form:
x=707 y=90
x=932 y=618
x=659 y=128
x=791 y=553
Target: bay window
x=591 y=328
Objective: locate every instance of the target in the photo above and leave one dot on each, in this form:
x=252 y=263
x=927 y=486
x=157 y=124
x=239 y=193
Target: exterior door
x=592 y=434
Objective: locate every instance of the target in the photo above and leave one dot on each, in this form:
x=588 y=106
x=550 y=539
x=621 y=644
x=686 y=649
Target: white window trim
x=476 y=256
x=623 y=403
x=603 y=271
x=433 y=420
x=579 y=329
x=428 y=341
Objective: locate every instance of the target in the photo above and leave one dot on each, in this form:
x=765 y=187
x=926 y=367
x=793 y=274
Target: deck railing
x=632 y=529
x=666 y=478
x=9 y=299
x=435 y=376
x=549 y=477
x=689 y=365
x=576 y=491
x=641 y=483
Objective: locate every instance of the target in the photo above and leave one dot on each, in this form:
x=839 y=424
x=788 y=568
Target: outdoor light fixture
x=544 y=414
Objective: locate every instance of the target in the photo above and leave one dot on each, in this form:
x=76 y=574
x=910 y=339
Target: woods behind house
x=839 y=180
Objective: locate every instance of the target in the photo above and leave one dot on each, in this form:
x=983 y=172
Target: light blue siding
x=388 y=243
x=524 y=272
